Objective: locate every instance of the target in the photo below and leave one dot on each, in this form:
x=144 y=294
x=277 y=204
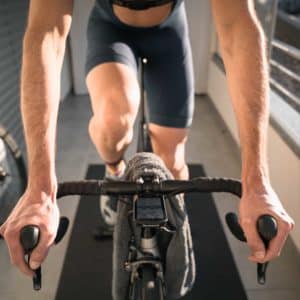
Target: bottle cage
x=140 y=4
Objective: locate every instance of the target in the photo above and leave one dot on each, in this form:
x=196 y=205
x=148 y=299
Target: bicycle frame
x=146 y=253
x=144 y=142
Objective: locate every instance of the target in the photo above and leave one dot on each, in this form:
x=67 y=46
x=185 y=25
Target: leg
x=113 y=87
x=114 y=92
x=169 y=144
x=169 y=84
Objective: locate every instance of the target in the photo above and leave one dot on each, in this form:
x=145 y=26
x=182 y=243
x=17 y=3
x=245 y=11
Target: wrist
x=43 y=186
x=255 y=179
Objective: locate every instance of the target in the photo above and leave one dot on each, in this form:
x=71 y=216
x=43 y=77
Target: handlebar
x=266 y=224
x=198 y=184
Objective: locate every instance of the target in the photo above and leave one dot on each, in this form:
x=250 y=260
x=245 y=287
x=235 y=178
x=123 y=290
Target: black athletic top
x=107 y=4
x=140 y=4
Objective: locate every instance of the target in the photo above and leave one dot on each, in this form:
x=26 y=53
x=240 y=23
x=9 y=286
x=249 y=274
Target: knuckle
x=287 y=226
x=292 y=224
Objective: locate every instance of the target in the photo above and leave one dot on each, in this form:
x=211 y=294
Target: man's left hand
x=254 y=203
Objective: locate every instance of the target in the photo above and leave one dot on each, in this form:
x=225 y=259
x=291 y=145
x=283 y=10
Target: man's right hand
x=34 y=208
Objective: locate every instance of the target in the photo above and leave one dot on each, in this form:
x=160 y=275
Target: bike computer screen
x=150 y=210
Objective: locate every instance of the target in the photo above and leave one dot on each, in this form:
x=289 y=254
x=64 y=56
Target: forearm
x=247 y=73
x=40 y=89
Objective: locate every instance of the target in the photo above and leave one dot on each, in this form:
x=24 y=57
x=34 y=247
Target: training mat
x=87 y=269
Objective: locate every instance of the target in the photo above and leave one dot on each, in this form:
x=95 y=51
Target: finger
x=276 y=244
x=17 y=254
x=254 y=242
x=39 y=254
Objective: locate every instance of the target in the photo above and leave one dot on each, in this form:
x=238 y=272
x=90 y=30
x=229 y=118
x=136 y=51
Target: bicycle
x=147 y=197
x=13 y=173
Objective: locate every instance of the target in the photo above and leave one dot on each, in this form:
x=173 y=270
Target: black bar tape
x=85 y=187
x=199 y=184
x=97 y=187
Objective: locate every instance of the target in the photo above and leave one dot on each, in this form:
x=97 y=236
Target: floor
x=209 y=143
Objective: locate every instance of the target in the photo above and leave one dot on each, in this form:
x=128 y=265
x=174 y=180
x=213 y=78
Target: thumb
x=254 y=241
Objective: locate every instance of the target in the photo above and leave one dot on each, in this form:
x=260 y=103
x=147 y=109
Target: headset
x=140 y=4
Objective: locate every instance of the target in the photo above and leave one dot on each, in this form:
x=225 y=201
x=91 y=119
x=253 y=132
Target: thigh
x=114 y=91
x=169 y=80
x=111 y=70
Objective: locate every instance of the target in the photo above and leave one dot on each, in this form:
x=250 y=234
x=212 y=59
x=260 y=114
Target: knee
x=116 y=113
x=174 y=162
x=112 y=132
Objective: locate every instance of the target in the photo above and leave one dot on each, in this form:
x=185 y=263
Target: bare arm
x=43 y=51
x=244 y=52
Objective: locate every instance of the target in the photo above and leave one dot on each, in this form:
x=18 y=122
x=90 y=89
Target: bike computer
x=150 y=210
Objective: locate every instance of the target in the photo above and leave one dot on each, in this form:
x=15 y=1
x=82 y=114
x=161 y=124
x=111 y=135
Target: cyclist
x=117 y=35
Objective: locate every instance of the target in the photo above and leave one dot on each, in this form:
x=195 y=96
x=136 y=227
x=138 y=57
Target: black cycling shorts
x=169 y=73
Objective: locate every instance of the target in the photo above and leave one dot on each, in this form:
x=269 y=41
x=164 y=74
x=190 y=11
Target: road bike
x=147 y=197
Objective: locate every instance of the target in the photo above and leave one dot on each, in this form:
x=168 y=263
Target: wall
x=13 y=15
x=199 y=19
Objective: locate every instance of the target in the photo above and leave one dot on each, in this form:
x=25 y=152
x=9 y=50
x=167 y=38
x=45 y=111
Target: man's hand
x=32 y=209
x=255 y=203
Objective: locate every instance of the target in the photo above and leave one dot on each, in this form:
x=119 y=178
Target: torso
x=145 y=18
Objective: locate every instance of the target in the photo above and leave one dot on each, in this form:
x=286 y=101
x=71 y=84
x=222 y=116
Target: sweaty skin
x=243 y=48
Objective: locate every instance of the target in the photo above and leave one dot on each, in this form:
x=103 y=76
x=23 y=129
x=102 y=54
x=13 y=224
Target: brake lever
x=267 y=229
x=29 y=238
